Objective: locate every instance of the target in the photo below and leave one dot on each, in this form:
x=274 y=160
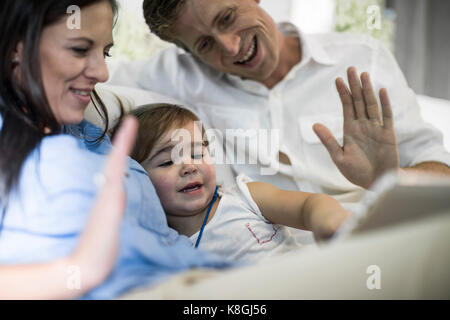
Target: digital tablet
x=398 y=198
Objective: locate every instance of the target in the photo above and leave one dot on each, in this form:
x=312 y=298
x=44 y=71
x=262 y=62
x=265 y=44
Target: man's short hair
x=161 y=15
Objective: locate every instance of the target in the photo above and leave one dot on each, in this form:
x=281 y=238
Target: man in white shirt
x=239 y=70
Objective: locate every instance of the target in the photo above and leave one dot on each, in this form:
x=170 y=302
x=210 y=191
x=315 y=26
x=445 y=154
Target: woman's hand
x=95 y=255
x=96 y=252
x=370 y=144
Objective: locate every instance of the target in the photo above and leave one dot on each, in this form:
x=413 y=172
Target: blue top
x=56 y=191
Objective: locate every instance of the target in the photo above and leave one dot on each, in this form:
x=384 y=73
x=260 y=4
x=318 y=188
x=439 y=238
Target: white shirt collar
x=311 y=49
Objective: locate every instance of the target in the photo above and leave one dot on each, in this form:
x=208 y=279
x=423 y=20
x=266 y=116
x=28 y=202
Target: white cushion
x=130 y=98
x=437 y=112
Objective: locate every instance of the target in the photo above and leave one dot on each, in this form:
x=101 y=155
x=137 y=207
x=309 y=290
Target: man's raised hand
x=370 y=144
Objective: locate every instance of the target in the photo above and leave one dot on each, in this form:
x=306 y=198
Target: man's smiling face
x=232 y=36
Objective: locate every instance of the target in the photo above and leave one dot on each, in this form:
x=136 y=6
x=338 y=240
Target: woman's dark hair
x=24 y=106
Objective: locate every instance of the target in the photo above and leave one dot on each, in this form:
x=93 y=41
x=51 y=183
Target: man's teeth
x=82 y=93
x=249 y=53
x=191 y=189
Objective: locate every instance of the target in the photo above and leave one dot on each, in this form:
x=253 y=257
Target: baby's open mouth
x=191 y=187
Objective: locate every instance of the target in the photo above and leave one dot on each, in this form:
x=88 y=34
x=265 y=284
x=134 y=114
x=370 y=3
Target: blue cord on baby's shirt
x=206 y=218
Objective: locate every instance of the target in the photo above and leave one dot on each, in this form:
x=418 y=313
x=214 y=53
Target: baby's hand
x=325 y=224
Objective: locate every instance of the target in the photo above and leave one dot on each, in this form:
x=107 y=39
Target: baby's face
x=185 y=182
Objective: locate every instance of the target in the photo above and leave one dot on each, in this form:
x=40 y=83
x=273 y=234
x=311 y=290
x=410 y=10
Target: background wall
x=311 y=16
x=422 y=44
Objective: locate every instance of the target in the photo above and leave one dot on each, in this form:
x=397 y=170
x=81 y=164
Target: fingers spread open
x=358 y=98
x=346 y=100
x=329 y=141
x=386 y=109
x=370 y=98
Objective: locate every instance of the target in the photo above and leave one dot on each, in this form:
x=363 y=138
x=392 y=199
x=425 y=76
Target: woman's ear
x=18 y=53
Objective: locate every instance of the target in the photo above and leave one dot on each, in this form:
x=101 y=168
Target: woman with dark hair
x=97 y=247
x=50 y=156
x=26 y=110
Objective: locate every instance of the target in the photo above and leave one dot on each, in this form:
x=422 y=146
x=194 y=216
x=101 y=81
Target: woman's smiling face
x=73 y=61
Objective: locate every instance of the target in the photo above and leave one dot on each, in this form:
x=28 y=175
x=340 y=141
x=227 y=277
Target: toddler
x=245 y=222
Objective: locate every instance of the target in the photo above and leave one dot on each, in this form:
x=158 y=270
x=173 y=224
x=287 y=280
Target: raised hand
x=99 y=242
x=96 y=252
x=370 y=144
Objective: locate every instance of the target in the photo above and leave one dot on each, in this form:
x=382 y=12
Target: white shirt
x=239 y=231
x=305 y=96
